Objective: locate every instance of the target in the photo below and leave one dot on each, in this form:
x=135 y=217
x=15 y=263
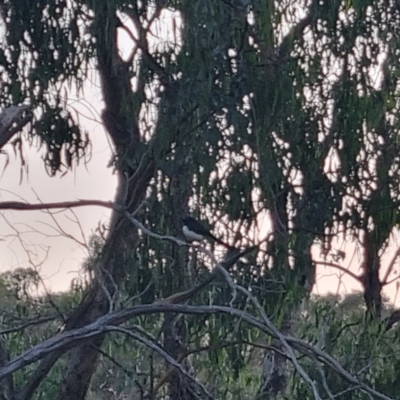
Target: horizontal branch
x=358 y=278
x=19 y=205
x=69 y=339
x=36 y=321
x=23 y=206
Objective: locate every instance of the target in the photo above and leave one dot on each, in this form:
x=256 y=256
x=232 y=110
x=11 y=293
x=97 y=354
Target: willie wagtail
x=195 y=231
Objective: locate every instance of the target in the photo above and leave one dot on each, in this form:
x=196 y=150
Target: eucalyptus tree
x=243 y=113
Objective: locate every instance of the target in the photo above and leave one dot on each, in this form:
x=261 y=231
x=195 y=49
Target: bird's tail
x=219 y=241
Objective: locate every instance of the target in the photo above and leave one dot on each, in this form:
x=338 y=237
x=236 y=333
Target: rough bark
x=6 y=385
x=174 y=330
x=371 y=281
x=131 y=191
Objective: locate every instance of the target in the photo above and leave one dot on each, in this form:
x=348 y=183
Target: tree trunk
x=371 y=280
x=135 y=172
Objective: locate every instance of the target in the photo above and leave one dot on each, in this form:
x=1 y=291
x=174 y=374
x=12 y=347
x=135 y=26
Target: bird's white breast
x=190 y=235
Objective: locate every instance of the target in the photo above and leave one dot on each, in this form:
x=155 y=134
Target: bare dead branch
x=289 y=350
x=21 y=206
x=152 y=234
x=358 y=278
x=155 y=347
x=69 y=339
x=113 y=360
x=36 y=321
x=229 y=261
x=274 y=332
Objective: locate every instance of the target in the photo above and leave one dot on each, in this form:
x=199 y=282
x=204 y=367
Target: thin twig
x=163 y=354
x=358 y=278
x=36 y=321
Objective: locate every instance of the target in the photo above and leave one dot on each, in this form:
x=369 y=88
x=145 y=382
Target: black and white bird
x=195 y=231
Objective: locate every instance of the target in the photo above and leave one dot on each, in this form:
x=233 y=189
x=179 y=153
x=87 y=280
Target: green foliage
x=363 y=349
x=43 y=53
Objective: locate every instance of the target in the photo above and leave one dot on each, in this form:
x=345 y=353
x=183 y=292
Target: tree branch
x=108 y=322
x=392 y=319
x=7 y=385
x=21 y=206
x=36 y=321
x=390 y=267
x=10 y=116
x=38 y=375
x=358 y=278
x=155 y=347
